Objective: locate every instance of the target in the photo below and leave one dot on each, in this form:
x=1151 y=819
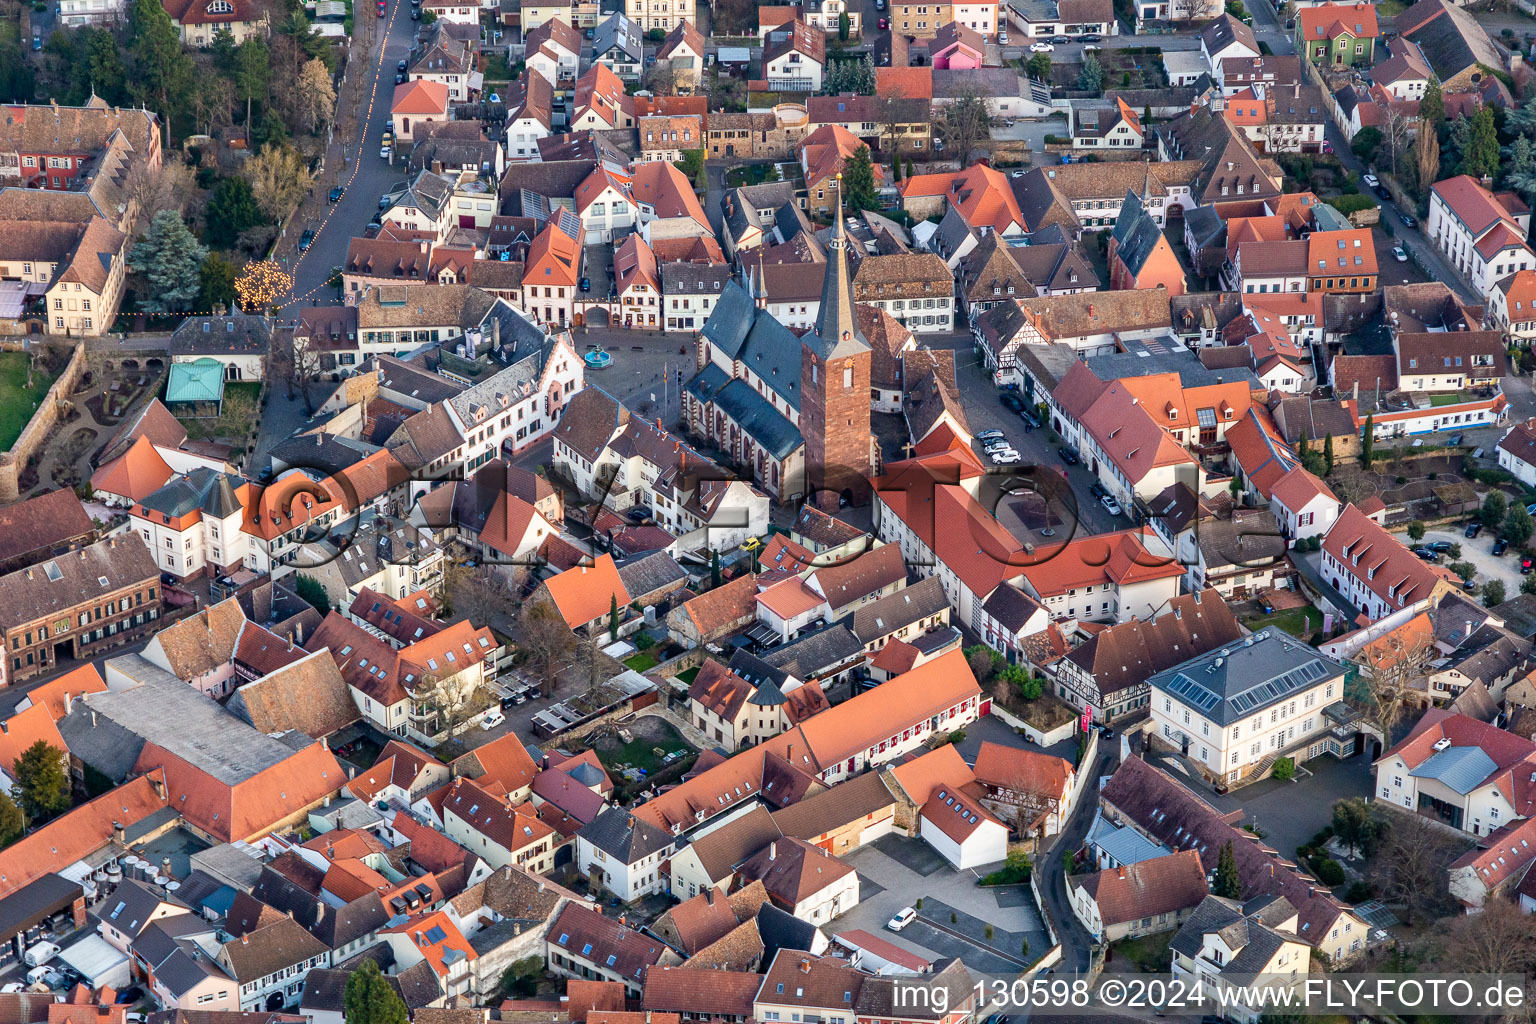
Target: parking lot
x=1479 y=551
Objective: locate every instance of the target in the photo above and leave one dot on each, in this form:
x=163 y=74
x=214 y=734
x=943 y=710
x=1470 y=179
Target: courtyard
x=995 y=930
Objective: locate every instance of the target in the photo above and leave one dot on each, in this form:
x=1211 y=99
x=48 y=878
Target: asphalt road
x=364 y=175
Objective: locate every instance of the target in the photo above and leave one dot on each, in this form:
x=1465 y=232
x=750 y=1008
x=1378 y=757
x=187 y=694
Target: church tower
x=835 y=389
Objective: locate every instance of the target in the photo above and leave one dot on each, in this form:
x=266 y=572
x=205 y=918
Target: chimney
x=709 y=893
x=118 y=835
x=805 y=966
x=773 y=851
x=245 y=940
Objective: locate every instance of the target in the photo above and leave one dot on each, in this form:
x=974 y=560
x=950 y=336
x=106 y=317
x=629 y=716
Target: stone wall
x=53 y=407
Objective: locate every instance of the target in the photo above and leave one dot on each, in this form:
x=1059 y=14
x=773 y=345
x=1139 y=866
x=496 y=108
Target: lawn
x=1149 y=953
x=642 y=661
x=1299 y=622
x=751 y=174
x=650 y=734
x=1435 y=400
x=687 y=675
x=17 y=401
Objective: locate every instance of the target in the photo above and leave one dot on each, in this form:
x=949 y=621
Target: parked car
x=1058 y=40
x=1400 y=254
x=1111 y=505
x=492 y=719
x=337 y=193
x=879 y=5
x=384 y=152
x=1091 y=38
x=1011 y=401
x=306 y=239
x=883 y=24
x=987 y=435
x=399 y=77
x=750 y=545
x=1006 y=457
x=1440 y=546
x=1473 y=529
x=1068 y=456
x=1408 y=221
x=994 y=443
x=1426 y=554
x=381 y=8
x=1327 y=146
x=402 y=64
x=1525 y=566
x=1370 y=180
x=638 y=514
x=1041 y=48
x=1098 y=490
x=1500 y=546
x=904 y=917
x=1030 y=423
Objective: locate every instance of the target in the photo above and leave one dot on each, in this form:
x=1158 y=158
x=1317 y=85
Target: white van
x=40 y=954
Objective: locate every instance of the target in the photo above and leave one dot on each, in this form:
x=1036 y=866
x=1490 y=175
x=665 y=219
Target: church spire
x=835 y=324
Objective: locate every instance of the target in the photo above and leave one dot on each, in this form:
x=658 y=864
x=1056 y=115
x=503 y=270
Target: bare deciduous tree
x=483 y=594
x=545 y=641
x=314 y=98
x=452 y=700
x=278 y=179
x=1392 y=666
x=964 y=125
x=1395 y=129
x=1497 y=940
x=295 y=364
x=1411 y=863
x=154 y=190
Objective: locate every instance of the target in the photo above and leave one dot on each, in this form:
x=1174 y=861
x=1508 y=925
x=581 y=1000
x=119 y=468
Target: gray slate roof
x=1243 y=679
x=620 y=834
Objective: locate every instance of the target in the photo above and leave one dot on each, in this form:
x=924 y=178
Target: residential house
x=616 y=43
x=1243 y=953
x=1226 y=38
x=1457 y=770
x=1032 y=792
x=684 y=48
x=1371 y=568
x=77 y=605
x=1163 y=811
x=1482 y=234
x=1264 y=701
x=822 y=154
x=416 y=103
x=1115 y=128
x=582 y=943
x=1106 y=675
x=624 y=852
x=917 y=289
x=1144 y=898
x=794 y=58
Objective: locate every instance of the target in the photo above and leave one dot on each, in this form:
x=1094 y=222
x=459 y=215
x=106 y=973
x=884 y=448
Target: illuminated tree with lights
x=260 y=284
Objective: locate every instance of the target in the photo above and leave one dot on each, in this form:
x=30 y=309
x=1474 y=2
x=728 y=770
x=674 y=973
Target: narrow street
x=1074 y=938
x=363 y=174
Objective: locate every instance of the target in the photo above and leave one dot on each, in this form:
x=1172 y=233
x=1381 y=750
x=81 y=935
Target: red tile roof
x=1149 y=888
x=420 y=97
x=587 y=592
x=1121 y=558
x=79 y=832
x=1378 y=560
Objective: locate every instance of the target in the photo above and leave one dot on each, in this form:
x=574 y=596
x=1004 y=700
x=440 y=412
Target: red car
x=381 y=8
x=884 y=23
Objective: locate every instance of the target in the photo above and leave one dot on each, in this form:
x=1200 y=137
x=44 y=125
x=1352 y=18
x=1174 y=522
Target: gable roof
x=1147 y=888
x=587 y=592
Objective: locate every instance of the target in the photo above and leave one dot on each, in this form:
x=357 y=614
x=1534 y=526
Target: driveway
x=955 y=913
x=364 y=176
x=1479 y=551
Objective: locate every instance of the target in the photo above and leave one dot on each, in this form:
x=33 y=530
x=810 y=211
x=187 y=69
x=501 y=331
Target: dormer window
x=221 y=7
